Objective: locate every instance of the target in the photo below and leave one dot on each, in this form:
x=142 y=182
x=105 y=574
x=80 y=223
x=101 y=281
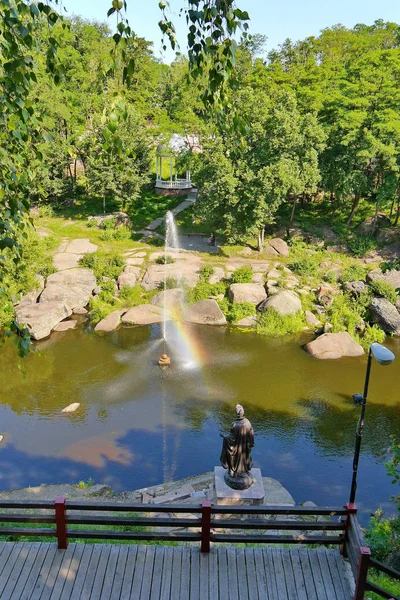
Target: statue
x=236 y=452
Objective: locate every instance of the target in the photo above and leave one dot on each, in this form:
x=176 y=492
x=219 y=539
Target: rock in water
x=65 y=325
x=334 y=345
x=71 y=407
x=73 y=287
x=111 y=322
x=205 y=312
x=172 y=298
x=385 y=315
x=41 y=318
x=145 y=314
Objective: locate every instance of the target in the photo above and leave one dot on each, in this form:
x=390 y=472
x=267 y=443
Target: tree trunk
x=398 y=204
x=261 y=240
x=391 y=210
x=292 y=213
x=104 y=204
x=353 y=208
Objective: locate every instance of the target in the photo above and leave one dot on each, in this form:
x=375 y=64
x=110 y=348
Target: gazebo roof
x=179 y=144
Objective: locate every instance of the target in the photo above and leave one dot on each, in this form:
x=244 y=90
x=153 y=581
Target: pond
x=139 y=425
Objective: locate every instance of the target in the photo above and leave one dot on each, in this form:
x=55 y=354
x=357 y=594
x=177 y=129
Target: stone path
x=190 y=200
x=69 y=254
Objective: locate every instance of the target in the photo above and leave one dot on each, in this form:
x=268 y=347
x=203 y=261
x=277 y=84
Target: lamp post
x=383 y=356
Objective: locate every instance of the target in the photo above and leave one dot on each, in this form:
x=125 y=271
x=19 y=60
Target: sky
x=277 y=19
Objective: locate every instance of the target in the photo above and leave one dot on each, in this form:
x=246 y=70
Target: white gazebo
x=178 y=147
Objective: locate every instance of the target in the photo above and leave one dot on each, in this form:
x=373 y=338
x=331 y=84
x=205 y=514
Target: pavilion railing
x=180 y=184
x=241 y=524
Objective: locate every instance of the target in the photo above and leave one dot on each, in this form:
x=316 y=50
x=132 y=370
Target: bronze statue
x=236 y=452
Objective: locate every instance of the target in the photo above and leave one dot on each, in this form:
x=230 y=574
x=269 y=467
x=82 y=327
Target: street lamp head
x=358 y=398
x=381 y=354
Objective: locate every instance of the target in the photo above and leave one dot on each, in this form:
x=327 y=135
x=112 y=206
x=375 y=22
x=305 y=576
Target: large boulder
x=247 y=292
x=385 y=315
x=73 y=287
x=205 y=312
x=145 y=314
x=170 y=298
x=355 y=287
x=41 y=318
x=334 y=345
x=371 y=224
x=183 y=270
x=217 y=275
x=284 y=303
x=129 y=276
x=391 y=277
x=65 y=326
x=111 y=322
x=388 y=235
x=280 y=246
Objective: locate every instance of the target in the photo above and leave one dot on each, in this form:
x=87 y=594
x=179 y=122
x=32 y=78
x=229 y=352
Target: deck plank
x=337 y=574
x=251 y=574
x=194 y=574
x=289 y=575
x=63 y=572
x=279 y=575
x=213 y=574
x=16 y=572
x=157 y=574
x=148 y=573
x=185 y=575
x=167 y=573
x=128 y=574
x=204 y=563
x=176 y=572
x=311 y=592
x=138 y=574
x=80 y=576
x=223 y=585
x=106 y=590
x=120 y=570
x=232 y=574
x=299 y=580
x=242 y=574
x=317 y=575
x=9 y=565
x=90 y=578
x=34 y=573
x=260 y=574
x=326 y=574
x=66 y=593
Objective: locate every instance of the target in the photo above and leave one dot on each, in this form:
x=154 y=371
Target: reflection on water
x=139 y=425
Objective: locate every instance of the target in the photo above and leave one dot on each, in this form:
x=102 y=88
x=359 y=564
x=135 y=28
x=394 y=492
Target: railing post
x=365 y=554
x=205 y=526
x=351 y=510
x=61 y=524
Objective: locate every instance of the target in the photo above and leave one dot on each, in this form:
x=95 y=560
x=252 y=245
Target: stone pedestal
x=223 y=494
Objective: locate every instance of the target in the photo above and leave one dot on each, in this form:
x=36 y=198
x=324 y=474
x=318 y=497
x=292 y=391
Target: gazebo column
x=170 y=169
x=160 y=167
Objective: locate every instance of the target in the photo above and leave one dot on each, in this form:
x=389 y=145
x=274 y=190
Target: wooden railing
x=245 y=524
x=360 y=559
x=180 y=184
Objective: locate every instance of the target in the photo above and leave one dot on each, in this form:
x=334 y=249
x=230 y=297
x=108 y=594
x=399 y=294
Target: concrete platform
x=223 y=494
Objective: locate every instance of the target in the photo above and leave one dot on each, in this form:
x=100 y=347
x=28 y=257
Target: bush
x=381 y=537
x=46 y=211
x=133 y=295
x=353 y=273
x=108 y=223
x=372 y=334
x=204 y=290
x=165 y=260
x=330 y=277
x=205 y=272
x=242 y=275
x=98 y=310
x=361 y=244
x=303 y=266
x=345 y=315
x=240 y=310
x=384 y=290
x=103 y=265
x=272 y=323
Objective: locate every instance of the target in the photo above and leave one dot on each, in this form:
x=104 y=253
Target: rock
x=41 y=318
x=66 y=260
x=329 y=235
x=326 y=300
x=327 y=328
x=246 y=251
x=140 y=254
x=73 y=287
x=334 y=345
x=276 y=494
x=355 y=287
x=80 y=311
x=333 y=273
x=180 y=494
x=172 y=298
x=291 y=282
x=121 y=218
x=280 y=246
x=247 y=292
x=111 y=321
x=339 y=248
x=205 y=312
x=391 y=277
x=319 y=309
x=371 y=224
x=272 y=286
x=217 y=276
x=65 y=325
x=270 y=251
x=274 y=274
x=81 y=246
x=187 y=270
x=127 y=278
x=71 y=407
x=284 y=303
x=145 y=314
x=385 y=315
x=258 y=278
x=388 y=235
x=247 y=322
x=134 y=261
x=260 y=267
x=312 y=319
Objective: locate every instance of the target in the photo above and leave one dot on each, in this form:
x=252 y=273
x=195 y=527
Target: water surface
x=139 y=425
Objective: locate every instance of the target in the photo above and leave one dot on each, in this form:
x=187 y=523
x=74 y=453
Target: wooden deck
x=35 y=570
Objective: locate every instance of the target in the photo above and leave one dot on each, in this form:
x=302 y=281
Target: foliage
x=242 y=275
x=384 y=290
x=380 y=537
x=236 y=311
x=360 y=245
x=121 y=233
x=303 y=266
x=393 y=466
x=204 y=290
x=164 y=260
x=85 y=484
x=271 y=323
x=372 y=334
x=103 y=265
x=354 y=272
x=205 y=272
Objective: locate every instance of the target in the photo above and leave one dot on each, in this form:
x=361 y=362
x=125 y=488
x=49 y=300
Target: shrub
x=242 y=275
x=107 y=265
x=380 y=536
x=345 y=315
x=108 y=223
x=91 y=224
x=205 y=272
x=353 y=273
x=240 y=310
x=133 y=295
x=165 y=260
x=384 y=290
x=46 y=211
x=98 y=310
x=272 y=323
x=303 y=266
x=361 y=244
x=372 y=334
x=122 y=233
x=204 y=290
x=330 y=277
x=107 y=235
